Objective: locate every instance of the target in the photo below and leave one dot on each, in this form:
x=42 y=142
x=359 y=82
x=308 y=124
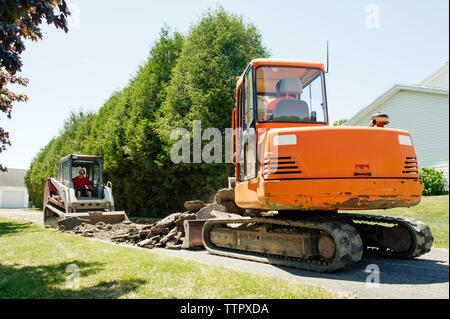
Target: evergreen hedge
x=185 y=78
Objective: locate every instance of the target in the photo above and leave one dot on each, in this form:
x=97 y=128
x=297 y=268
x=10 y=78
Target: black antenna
x=328 y=58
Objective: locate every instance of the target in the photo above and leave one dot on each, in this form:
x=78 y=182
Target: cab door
x=248 y=127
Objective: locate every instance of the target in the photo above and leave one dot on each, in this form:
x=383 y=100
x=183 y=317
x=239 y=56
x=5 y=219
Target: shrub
x=340 y=122
x=434 y=182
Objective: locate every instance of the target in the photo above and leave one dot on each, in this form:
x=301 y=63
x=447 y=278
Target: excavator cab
x=275 y=95
x=288 y=157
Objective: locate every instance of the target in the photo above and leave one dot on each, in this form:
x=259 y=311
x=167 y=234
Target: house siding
x=425 y=116
x=441 y=82
x=438 y=79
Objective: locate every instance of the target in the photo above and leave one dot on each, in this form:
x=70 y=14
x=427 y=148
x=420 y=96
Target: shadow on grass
x=60 y=280
x=9 y=227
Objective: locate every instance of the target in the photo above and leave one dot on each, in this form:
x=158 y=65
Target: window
x=240 y=111
x=249 y=135
x=93 y=172
x=76 y=167
x=290 y=94
x=248 y=82
x=65 y=171
x=96 y=175
x=92 y=169
x=239 y=141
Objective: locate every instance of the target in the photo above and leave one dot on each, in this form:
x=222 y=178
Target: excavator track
x=390 y=237
x=310 y=245
x=330 y=243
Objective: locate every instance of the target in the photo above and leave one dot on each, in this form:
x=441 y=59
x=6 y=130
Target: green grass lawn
x=33 y=264
x=432 y=210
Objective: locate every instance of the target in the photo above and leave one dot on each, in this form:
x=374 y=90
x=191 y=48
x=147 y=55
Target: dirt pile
x=166 y=233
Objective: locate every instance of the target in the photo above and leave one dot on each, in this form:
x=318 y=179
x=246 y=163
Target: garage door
x=13 y=199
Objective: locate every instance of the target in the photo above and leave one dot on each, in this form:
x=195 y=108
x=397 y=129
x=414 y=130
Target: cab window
x=290 y=94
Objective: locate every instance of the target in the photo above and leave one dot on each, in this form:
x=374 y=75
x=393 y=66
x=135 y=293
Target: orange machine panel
x=338 y=152
x=328 y=194
x=312 y=166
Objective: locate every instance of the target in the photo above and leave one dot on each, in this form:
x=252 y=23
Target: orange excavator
x=298 y=174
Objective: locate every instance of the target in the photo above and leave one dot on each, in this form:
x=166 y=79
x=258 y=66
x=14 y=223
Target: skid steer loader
x=62 y=200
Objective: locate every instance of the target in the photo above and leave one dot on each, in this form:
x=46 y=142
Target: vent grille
x=280 y=166
x=410 y=166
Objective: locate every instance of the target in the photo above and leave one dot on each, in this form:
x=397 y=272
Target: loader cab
x=70 y=166
x=274 y=94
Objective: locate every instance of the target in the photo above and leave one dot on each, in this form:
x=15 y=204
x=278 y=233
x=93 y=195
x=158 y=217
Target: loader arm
x=67 y=194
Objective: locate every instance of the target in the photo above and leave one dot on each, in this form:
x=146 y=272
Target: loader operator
x=82 y=185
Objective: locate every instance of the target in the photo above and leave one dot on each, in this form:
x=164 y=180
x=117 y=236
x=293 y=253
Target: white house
x=13 y=193
x=421 y=109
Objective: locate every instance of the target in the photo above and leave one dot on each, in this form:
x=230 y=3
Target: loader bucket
x=74 y=219
x=106 y=217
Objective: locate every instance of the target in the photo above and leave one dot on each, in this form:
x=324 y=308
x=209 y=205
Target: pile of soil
x=166 y=233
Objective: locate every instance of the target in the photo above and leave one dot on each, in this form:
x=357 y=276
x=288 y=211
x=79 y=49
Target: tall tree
x=20 y=21
x=216 y=50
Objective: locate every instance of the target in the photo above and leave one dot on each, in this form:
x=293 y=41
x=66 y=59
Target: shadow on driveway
x=392 y=271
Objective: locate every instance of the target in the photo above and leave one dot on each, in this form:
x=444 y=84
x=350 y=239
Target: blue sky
x=109 y=40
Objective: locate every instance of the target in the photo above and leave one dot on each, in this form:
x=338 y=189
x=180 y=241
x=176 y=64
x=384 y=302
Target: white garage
x=13 y=193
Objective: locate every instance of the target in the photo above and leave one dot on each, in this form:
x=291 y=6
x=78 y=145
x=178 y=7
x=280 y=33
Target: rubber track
x=349 y=246
x=422 y=239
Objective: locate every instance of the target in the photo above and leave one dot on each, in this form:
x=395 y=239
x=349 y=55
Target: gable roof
x=386 y=95
x=436 y=75
x=13 y=177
